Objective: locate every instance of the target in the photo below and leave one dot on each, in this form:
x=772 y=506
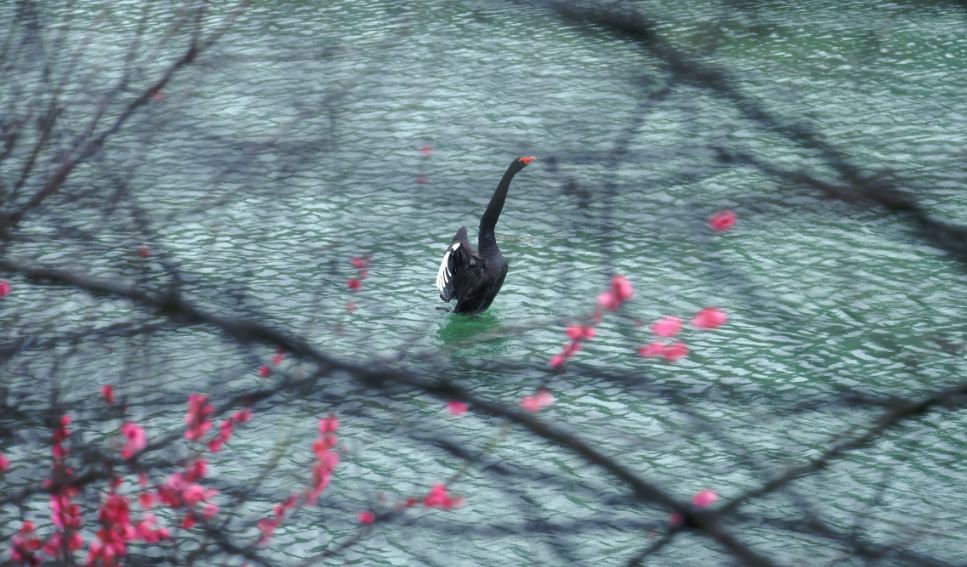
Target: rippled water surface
x=295 y=145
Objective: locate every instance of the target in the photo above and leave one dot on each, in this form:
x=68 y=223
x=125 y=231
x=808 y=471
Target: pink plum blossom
x=667 y=326
x=538 y=401
x=675 y=352
x=456 y=408
x=651 y=350
x=107 y=392
x=709 y=318
x=722 y=220
x=438 y=498
x=4 y=288
x=4 y=462
x=705 y=498
x=366 y=518
x=196 y=419
x=137 y=440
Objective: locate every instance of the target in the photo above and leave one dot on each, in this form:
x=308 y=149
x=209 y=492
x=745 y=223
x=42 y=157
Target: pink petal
x=529 y=403
x=264 y=371
x=622 y=287
x=705 y=498
x=722 y=220
x=609 y=300
x=589 y=332
x=107 y=392
x=544 y=398
x=574 y=331
x=456 y=408
x=557 y=360
x=675 y=352
x=709 y=318
x=4 y=289
x=667 y=326
x=366 y=518
x=652 y=350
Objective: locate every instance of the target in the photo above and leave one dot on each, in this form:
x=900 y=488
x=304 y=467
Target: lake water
x=295 y=145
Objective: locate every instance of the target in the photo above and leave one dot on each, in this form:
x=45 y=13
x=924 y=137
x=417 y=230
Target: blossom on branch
x=196 y=419
x=137 y=440
x=538 y=401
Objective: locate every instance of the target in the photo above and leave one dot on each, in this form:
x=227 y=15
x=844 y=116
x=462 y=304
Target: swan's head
x=521 y=162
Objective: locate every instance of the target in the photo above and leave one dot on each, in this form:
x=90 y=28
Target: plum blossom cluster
x=362 y=270
x=183 y=491
x=610 y=299
x=196 y=420
x=438 y=498
x=24 y=546
x=327 y=458
x=117 y=530
x=667 y=327
x=326 y=462
x=265 y=371
x=227 y=427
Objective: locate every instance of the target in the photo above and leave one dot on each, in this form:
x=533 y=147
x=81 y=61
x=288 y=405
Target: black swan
x=474 y=277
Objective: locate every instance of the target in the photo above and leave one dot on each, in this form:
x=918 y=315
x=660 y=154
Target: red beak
x=527 y=160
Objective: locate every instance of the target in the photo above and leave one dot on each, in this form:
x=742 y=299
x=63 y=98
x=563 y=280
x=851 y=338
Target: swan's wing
x=459 y=268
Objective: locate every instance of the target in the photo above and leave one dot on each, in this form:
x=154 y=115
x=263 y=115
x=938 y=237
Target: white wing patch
x=443 y=275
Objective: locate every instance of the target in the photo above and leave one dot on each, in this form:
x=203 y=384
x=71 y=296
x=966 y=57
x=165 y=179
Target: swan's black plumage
x=474 y=277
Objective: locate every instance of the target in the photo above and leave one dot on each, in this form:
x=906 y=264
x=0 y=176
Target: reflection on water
x=458 y=328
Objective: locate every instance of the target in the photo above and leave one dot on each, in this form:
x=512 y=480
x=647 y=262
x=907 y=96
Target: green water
x=295 y=145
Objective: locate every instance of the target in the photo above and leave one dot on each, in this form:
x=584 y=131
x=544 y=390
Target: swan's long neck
x=485 y=238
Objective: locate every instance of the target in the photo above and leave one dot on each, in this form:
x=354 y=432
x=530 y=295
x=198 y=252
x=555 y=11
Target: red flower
x=107 y=392
x=426 y=150
x=354 y=284
x=144 y=252
x=4 y=462
x=456 y=408
x=366 y=518
x=722 y=220
x=264 y=371
x=4 y=288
